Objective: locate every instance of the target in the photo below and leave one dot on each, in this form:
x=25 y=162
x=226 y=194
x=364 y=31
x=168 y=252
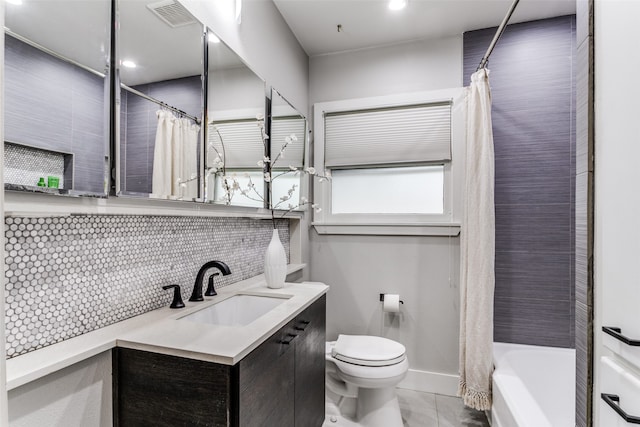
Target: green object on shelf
x=53 y=181
x=41 y=183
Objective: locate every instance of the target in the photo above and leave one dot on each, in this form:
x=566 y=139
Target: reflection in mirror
x=160 y=67
x=236 y=107
x=55 y=99
x=288 y=140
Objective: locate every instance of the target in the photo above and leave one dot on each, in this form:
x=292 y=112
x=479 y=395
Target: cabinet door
x=310 y=365
x=158 y=390
x=622 y=385
x=266 y=383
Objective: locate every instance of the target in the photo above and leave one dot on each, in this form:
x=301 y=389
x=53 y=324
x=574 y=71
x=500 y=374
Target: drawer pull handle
x=616 y=333
x=288 y=339
x=614 y=401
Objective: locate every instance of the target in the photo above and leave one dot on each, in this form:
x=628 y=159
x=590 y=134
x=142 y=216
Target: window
x=395 y=161
x=412 y=190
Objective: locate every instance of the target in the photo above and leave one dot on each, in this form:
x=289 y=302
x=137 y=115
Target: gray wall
x=57 y=106
x=424 y=270
x=533 y=110
x=139 y=123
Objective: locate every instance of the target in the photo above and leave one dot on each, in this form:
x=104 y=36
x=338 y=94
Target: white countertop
x=162 y=331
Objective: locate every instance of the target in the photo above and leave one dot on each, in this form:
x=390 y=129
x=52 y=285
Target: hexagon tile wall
x=68 y=275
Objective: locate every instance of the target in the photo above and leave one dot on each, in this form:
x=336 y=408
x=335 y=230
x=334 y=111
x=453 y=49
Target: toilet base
x=378 y=407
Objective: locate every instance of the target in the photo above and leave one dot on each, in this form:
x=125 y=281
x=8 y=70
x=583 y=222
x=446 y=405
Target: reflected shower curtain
x=162 y=156
x=477 y=250
x=175 y=158
x=185 y=159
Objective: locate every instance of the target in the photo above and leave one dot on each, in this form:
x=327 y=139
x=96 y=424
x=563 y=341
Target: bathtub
x=533 y=386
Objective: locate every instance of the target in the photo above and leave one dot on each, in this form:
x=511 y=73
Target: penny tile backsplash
x=69 y=275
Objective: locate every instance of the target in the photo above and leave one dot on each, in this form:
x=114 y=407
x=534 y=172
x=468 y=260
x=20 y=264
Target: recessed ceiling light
x=18 y=2
x=397 y=4
x=213 y=38
x=129 y=64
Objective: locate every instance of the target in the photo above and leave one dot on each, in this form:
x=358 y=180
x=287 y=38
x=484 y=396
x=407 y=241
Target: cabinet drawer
x=628 y=352
x=619 y=381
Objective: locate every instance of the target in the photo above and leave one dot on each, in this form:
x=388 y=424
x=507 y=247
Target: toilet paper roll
x=391 y=303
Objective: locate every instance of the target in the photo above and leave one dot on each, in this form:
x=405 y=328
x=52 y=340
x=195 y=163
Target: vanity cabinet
x=280 y=383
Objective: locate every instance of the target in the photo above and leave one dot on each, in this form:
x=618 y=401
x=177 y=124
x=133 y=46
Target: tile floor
x=436 y=410
x=418 y=410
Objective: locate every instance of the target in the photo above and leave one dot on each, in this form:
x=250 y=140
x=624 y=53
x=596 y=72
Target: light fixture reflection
x=128 y=63
x=397 y=4
x=17 y=2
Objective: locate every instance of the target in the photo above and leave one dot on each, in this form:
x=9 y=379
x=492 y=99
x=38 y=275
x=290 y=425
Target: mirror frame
x=265 y=112
x=117 y=86
x=106 y=134
x=304 y=183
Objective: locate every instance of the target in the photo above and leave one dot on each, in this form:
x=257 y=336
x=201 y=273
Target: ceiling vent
x=172 y=13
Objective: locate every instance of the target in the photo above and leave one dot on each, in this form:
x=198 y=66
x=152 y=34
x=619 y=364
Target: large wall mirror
x=287 y=152
x=56 y=96
x=160 y=56
x=236 y=125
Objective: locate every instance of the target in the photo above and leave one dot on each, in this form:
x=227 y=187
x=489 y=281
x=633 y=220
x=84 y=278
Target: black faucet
x=196 y=295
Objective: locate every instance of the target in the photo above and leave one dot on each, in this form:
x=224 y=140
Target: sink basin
x=239 y=310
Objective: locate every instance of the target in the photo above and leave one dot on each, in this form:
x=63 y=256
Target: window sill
x=433 y=229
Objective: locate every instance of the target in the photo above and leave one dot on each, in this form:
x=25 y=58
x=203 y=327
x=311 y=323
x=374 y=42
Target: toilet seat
x=368 y=351
x=357 y=373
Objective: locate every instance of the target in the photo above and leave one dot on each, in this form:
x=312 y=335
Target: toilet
x=367 y=368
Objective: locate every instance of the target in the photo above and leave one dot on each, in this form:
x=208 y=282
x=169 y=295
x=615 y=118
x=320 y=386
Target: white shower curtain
x=175 y=158
x=185 y=159
x=477 y=250
x=162 y=154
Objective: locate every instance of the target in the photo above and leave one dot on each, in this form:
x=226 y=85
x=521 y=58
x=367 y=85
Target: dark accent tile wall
x=66 y=276
x=139 y=123
x=533 y=109
x=584 y=213
x=56 y=106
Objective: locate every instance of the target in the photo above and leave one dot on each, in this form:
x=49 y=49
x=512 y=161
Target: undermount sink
x=239 y=310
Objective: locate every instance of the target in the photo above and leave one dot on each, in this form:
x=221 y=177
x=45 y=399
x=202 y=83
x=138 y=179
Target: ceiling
x=368 y=23
x=79 y=29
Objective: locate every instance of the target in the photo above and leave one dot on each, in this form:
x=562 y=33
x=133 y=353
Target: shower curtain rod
x=162 y=104
x=485 y=58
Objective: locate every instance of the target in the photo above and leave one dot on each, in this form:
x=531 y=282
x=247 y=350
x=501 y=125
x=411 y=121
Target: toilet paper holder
x=382 y=299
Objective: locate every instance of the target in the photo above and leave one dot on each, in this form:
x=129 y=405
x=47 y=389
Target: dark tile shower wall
x=139 y=123
x=584 y=213
x=56 y=106
x=69 y=275
x=533 y=110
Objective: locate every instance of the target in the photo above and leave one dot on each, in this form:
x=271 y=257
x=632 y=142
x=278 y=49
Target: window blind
x=243 y=146
x=282 y=127
x=388 y=136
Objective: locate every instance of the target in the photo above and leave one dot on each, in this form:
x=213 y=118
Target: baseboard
x=430 y=382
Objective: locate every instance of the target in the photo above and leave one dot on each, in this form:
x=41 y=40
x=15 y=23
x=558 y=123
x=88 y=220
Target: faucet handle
x=211 y=290
x=177 y=297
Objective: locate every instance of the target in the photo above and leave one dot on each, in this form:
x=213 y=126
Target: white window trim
x=446 y=224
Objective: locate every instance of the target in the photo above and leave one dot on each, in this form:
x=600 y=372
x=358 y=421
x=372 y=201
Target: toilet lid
x=368 y=350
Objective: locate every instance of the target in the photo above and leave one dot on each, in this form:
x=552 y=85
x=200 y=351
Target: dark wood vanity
x=280 y=383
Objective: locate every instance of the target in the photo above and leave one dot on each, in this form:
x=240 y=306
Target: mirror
x=235 y=114
x=56 y=96
x=161 y=100
x=288 y=143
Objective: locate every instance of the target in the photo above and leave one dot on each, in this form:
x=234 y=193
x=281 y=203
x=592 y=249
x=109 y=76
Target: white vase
x=275 y=263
